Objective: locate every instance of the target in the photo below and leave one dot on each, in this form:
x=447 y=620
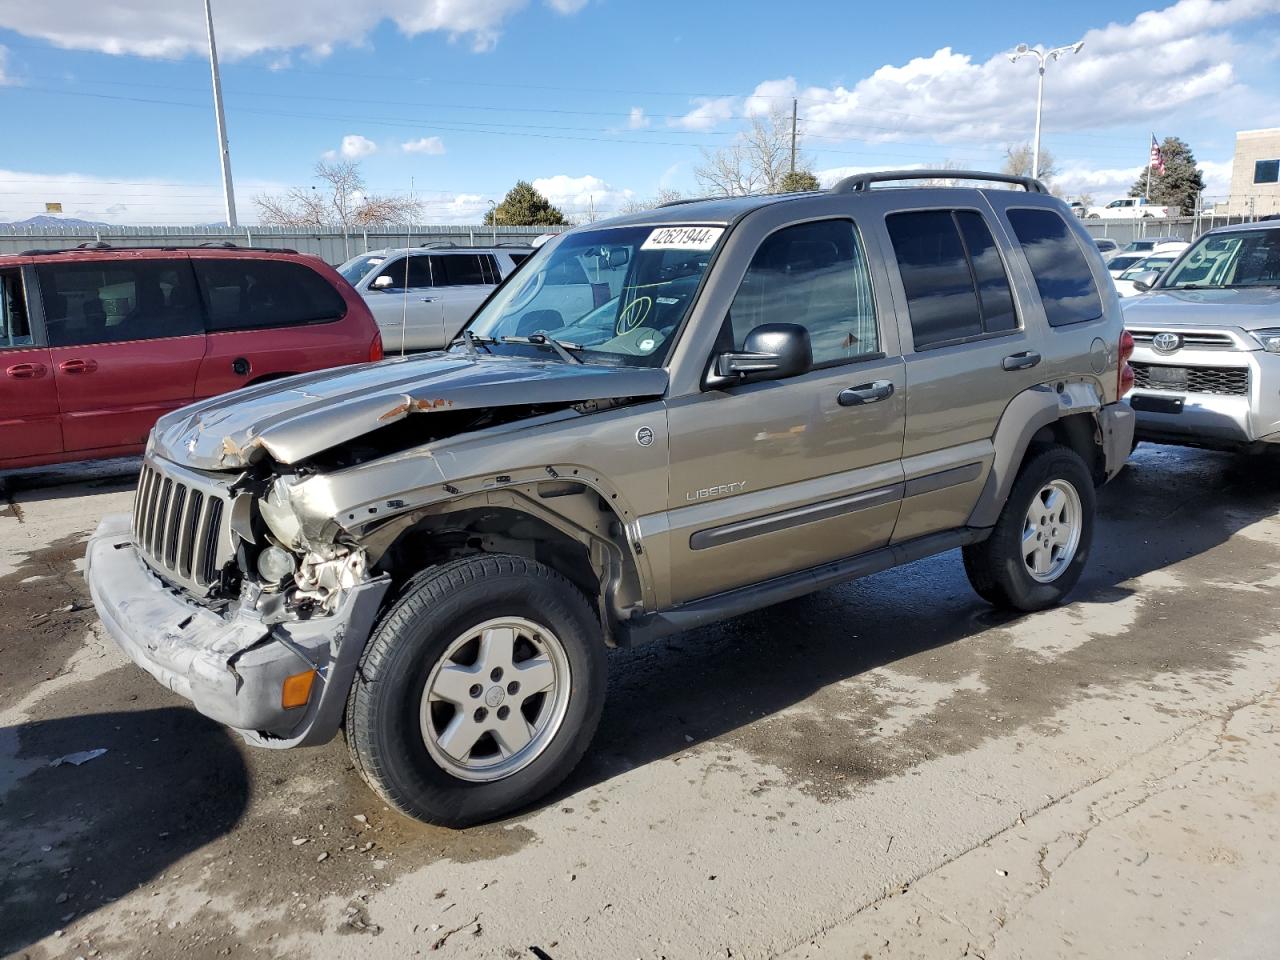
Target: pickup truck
x=1132 y=208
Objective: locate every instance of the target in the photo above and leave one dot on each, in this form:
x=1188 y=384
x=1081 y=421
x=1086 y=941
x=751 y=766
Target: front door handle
x=428 y=299
x=78 y=366
x=872 y=392
x=26 y=371
x=1021 y=361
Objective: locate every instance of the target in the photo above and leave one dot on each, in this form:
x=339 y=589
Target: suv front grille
x=1195 y=340
x=1225 y=381
x=178 y=525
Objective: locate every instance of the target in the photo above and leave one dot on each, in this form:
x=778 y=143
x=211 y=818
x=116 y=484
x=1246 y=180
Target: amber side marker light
x=296 y=690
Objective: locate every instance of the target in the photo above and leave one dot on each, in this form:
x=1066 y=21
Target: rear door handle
x=1021 y=361
x=26 y=371
x=872 y=392
x=429 y=299
x=78 y=366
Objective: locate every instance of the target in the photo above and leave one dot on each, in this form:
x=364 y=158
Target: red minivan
x=96 y=343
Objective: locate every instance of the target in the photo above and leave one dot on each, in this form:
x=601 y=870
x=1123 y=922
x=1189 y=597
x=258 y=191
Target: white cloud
x=429 y=145
x=637 y=119
x=163 y=28
x=356 y=147
x=140 y=200
x=4 y=63
x=1161 y=64
x=579 y=195
x=707 y=113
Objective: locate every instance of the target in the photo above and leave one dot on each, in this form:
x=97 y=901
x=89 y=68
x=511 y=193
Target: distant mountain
x=44 y=220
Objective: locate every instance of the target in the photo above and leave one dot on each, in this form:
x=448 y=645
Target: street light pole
x=224 y=152
x=1043 y=57
x=493 y=206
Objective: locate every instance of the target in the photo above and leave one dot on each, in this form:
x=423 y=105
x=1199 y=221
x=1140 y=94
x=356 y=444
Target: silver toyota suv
x=779 y=394
x=1207 y=339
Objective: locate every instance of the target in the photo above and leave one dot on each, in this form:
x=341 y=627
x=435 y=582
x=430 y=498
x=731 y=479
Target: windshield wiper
x=471 y=341
x=542 y=339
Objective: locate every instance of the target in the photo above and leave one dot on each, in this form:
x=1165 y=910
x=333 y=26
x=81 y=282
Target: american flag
x=1157 y=159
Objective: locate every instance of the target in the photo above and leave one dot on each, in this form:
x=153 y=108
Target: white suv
x=422 y=296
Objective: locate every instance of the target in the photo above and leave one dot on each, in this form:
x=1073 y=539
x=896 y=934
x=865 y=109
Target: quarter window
x=952 y=274
x=1062 y=273
x=15 y=327
x=251 y=294
x=112 y=300
x=813 y=274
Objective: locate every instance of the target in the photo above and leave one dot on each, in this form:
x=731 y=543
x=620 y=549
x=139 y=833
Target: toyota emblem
x=1166 y=342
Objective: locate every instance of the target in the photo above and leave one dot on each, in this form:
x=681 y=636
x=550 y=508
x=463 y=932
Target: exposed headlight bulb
x=276 y=563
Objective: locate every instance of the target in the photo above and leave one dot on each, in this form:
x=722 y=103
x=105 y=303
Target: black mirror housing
x=772 y=351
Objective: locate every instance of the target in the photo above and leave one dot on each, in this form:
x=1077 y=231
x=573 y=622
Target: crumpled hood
x=301 y=416
x=1246 y=308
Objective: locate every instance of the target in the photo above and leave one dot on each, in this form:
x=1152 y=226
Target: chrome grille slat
x=178 y=525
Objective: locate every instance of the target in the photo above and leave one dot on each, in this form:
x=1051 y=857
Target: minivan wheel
x=1039 y=546
x=479 y=690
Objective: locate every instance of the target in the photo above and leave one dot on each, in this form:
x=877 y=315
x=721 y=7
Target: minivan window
x=952 y=274
x=118 y=300
x=252 y=294
x=15 y=326
x=1062 y=274
x=813 y=274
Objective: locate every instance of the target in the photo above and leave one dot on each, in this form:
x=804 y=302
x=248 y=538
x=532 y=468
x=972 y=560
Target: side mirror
x=1145 y=280
x=772 y=351
x=383 y=282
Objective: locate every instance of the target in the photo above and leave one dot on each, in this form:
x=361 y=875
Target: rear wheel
x=479 y=692
x=1039 y=546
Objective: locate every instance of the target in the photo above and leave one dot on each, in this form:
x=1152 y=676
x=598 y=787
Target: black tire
x=382 y=721
x=996 y=567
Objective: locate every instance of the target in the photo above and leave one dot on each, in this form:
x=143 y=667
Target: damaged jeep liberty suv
x=659 y=421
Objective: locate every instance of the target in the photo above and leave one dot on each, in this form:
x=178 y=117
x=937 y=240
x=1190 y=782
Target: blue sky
x=596 y=100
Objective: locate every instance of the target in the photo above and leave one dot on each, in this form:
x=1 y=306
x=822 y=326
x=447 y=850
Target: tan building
x=1255 y=173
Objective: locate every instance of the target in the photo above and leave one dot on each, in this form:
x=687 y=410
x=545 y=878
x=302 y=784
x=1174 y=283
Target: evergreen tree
x=1181 y=182
x=523 y=206
x=798 y=181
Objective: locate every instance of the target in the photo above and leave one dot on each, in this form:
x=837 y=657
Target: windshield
x=618 y=293
x=1243 y=258
x=355 y=269
x=1158 y=264
x=1123 y=262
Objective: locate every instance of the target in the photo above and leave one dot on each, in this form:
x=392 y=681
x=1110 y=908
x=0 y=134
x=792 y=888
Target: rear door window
x=109 y=301
x=1058 y=264
x=15 y=324
x=252 y=294
x=953 y=276
x=457 y=269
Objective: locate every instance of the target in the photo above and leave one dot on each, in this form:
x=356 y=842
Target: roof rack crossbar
x=861 y=182
x=99 y=247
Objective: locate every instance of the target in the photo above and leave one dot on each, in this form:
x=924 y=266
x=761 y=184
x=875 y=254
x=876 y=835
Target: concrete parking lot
x=887 y=769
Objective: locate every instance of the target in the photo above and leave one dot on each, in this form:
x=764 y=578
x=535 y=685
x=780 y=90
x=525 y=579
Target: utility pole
x=224 y=153
x=793 y=134
x=1043 y=56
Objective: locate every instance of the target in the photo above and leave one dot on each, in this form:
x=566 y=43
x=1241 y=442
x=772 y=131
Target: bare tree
x=637 y=204
x=1017 y=161
x=756 y=162
x=342 y=200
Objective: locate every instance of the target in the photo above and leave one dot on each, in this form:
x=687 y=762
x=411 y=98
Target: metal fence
x=1188 y=228
x=334 y=246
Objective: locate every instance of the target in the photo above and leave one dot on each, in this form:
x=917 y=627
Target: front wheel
x=479 y=691
x=1037 y=551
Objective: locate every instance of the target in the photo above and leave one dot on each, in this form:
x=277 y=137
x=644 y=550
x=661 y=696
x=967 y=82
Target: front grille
x=1191 y=340
x=1224 y=381
x=178 y=525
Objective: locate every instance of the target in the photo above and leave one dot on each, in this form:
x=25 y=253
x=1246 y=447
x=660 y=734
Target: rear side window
x=15 y=327
x=1058 y=264
x=952 y=274
x=109 y=301
x=458 y=269
x=252 y=294
x=518 y=258
x=813 y=274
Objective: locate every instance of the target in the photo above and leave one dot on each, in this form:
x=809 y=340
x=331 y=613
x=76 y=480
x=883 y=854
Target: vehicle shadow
x=68 y=480
x=668 y=697
x=73 y=838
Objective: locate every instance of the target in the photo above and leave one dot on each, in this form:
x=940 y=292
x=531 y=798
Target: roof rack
x=450 y=245
x=861 y=182
x=99 y=246
x=684 y=200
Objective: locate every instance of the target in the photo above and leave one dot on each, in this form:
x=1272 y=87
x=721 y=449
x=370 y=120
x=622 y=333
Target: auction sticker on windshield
x=682 y=238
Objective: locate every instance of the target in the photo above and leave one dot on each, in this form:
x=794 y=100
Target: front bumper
x=230 y=668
